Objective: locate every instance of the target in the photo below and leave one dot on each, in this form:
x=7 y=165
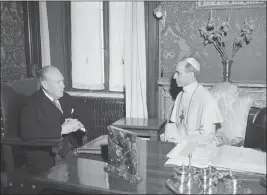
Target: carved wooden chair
x=13 y=95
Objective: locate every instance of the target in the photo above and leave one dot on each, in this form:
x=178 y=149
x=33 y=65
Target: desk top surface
x=140 y=123
x=84 y=175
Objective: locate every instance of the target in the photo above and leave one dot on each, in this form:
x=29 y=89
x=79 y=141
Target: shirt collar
x=191 y=87
x=49 y=97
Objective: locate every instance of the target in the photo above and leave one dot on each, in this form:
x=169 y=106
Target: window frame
x=32 y=37
x=106 y=55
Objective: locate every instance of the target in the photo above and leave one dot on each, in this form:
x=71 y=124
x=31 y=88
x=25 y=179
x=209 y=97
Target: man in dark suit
x=49 y=113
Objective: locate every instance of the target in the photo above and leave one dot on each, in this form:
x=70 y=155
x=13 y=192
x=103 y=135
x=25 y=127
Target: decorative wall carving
x=228 y=4
x=13 y=62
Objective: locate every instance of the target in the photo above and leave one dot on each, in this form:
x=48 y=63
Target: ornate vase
x=227 y=65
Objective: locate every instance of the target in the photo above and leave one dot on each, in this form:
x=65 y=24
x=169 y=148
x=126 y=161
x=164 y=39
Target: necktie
x=58 y=105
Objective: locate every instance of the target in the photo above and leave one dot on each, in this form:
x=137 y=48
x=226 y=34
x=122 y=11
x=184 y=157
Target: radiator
x=98 y=113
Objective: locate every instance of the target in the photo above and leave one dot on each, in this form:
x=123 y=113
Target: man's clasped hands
x=71 y=125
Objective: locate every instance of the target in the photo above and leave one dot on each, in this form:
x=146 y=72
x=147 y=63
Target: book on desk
x=94 y=146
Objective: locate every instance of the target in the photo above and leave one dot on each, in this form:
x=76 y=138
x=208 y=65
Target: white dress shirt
x=52 y=99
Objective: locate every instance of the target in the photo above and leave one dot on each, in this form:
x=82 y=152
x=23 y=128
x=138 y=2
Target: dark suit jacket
x=41 y=119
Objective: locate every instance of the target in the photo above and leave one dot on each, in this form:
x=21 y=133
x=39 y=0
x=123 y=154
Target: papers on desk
x=240 y=159
x=224 y=157
x=201 y=155
x=144 y=138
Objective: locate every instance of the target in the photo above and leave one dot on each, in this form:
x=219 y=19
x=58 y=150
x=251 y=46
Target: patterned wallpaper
x=179 y=38
x=13 y=62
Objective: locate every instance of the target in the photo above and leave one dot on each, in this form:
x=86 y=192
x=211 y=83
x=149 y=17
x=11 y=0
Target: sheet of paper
x=242 y=159
x=179 y=161
x=224 y=157
x=177 y=149
x=201 y=155
x=144 y=138
x=94 y=145
x=188 y=149
x=201 y=152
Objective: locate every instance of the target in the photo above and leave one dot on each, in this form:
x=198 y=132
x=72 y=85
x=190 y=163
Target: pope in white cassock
x=195 y=112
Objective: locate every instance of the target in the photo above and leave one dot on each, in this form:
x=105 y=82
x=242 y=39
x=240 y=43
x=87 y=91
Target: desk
x=86 y=175
x=142 y=127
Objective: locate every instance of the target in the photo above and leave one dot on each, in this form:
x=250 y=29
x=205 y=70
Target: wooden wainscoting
x=98 y=113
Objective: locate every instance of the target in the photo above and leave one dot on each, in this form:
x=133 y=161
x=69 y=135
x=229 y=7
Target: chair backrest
x=256 y=131
x=234 y=108
x=13 y=96
x=260 y=118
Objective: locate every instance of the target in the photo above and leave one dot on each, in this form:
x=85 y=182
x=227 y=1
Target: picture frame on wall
x=201 y=4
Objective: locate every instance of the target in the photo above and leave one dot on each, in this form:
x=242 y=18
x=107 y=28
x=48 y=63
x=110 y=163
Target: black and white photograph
x=133 y=97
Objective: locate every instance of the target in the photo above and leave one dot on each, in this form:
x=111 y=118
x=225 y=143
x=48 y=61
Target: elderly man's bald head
x=52 y=81
x=47 y=71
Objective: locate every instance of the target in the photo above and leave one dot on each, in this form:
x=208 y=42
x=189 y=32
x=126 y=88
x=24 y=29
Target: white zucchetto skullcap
x=194 y=63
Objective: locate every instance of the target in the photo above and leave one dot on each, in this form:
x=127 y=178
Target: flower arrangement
x=217 y=35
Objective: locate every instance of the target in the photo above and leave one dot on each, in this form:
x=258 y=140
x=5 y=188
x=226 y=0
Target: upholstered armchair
x=238 y=114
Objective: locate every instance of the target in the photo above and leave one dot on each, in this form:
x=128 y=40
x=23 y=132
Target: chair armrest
x=36 y=142
x=19 y=145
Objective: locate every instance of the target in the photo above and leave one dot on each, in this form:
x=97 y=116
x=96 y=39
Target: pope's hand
x=202 y=138
x=71 y=125
x=173 y=133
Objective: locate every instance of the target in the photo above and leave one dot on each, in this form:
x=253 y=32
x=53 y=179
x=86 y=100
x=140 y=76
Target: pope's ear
x=192 y=74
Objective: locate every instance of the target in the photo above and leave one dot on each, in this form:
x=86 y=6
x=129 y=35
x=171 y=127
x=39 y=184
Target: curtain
x=135 y=60
x=87 y=45
x=116 y=64
x=44 y=32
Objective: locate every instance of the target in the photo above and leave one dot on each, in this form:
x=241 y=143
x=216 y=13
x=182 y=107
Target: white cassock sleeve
x=211 y=114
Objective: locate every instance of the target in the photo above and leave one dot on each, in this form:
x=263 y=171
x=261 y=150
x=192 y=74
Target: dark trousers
x=40 y=159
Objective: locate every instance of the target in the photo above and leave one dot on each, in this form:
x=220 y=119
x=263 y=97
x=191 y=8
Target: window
x=96 y=41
